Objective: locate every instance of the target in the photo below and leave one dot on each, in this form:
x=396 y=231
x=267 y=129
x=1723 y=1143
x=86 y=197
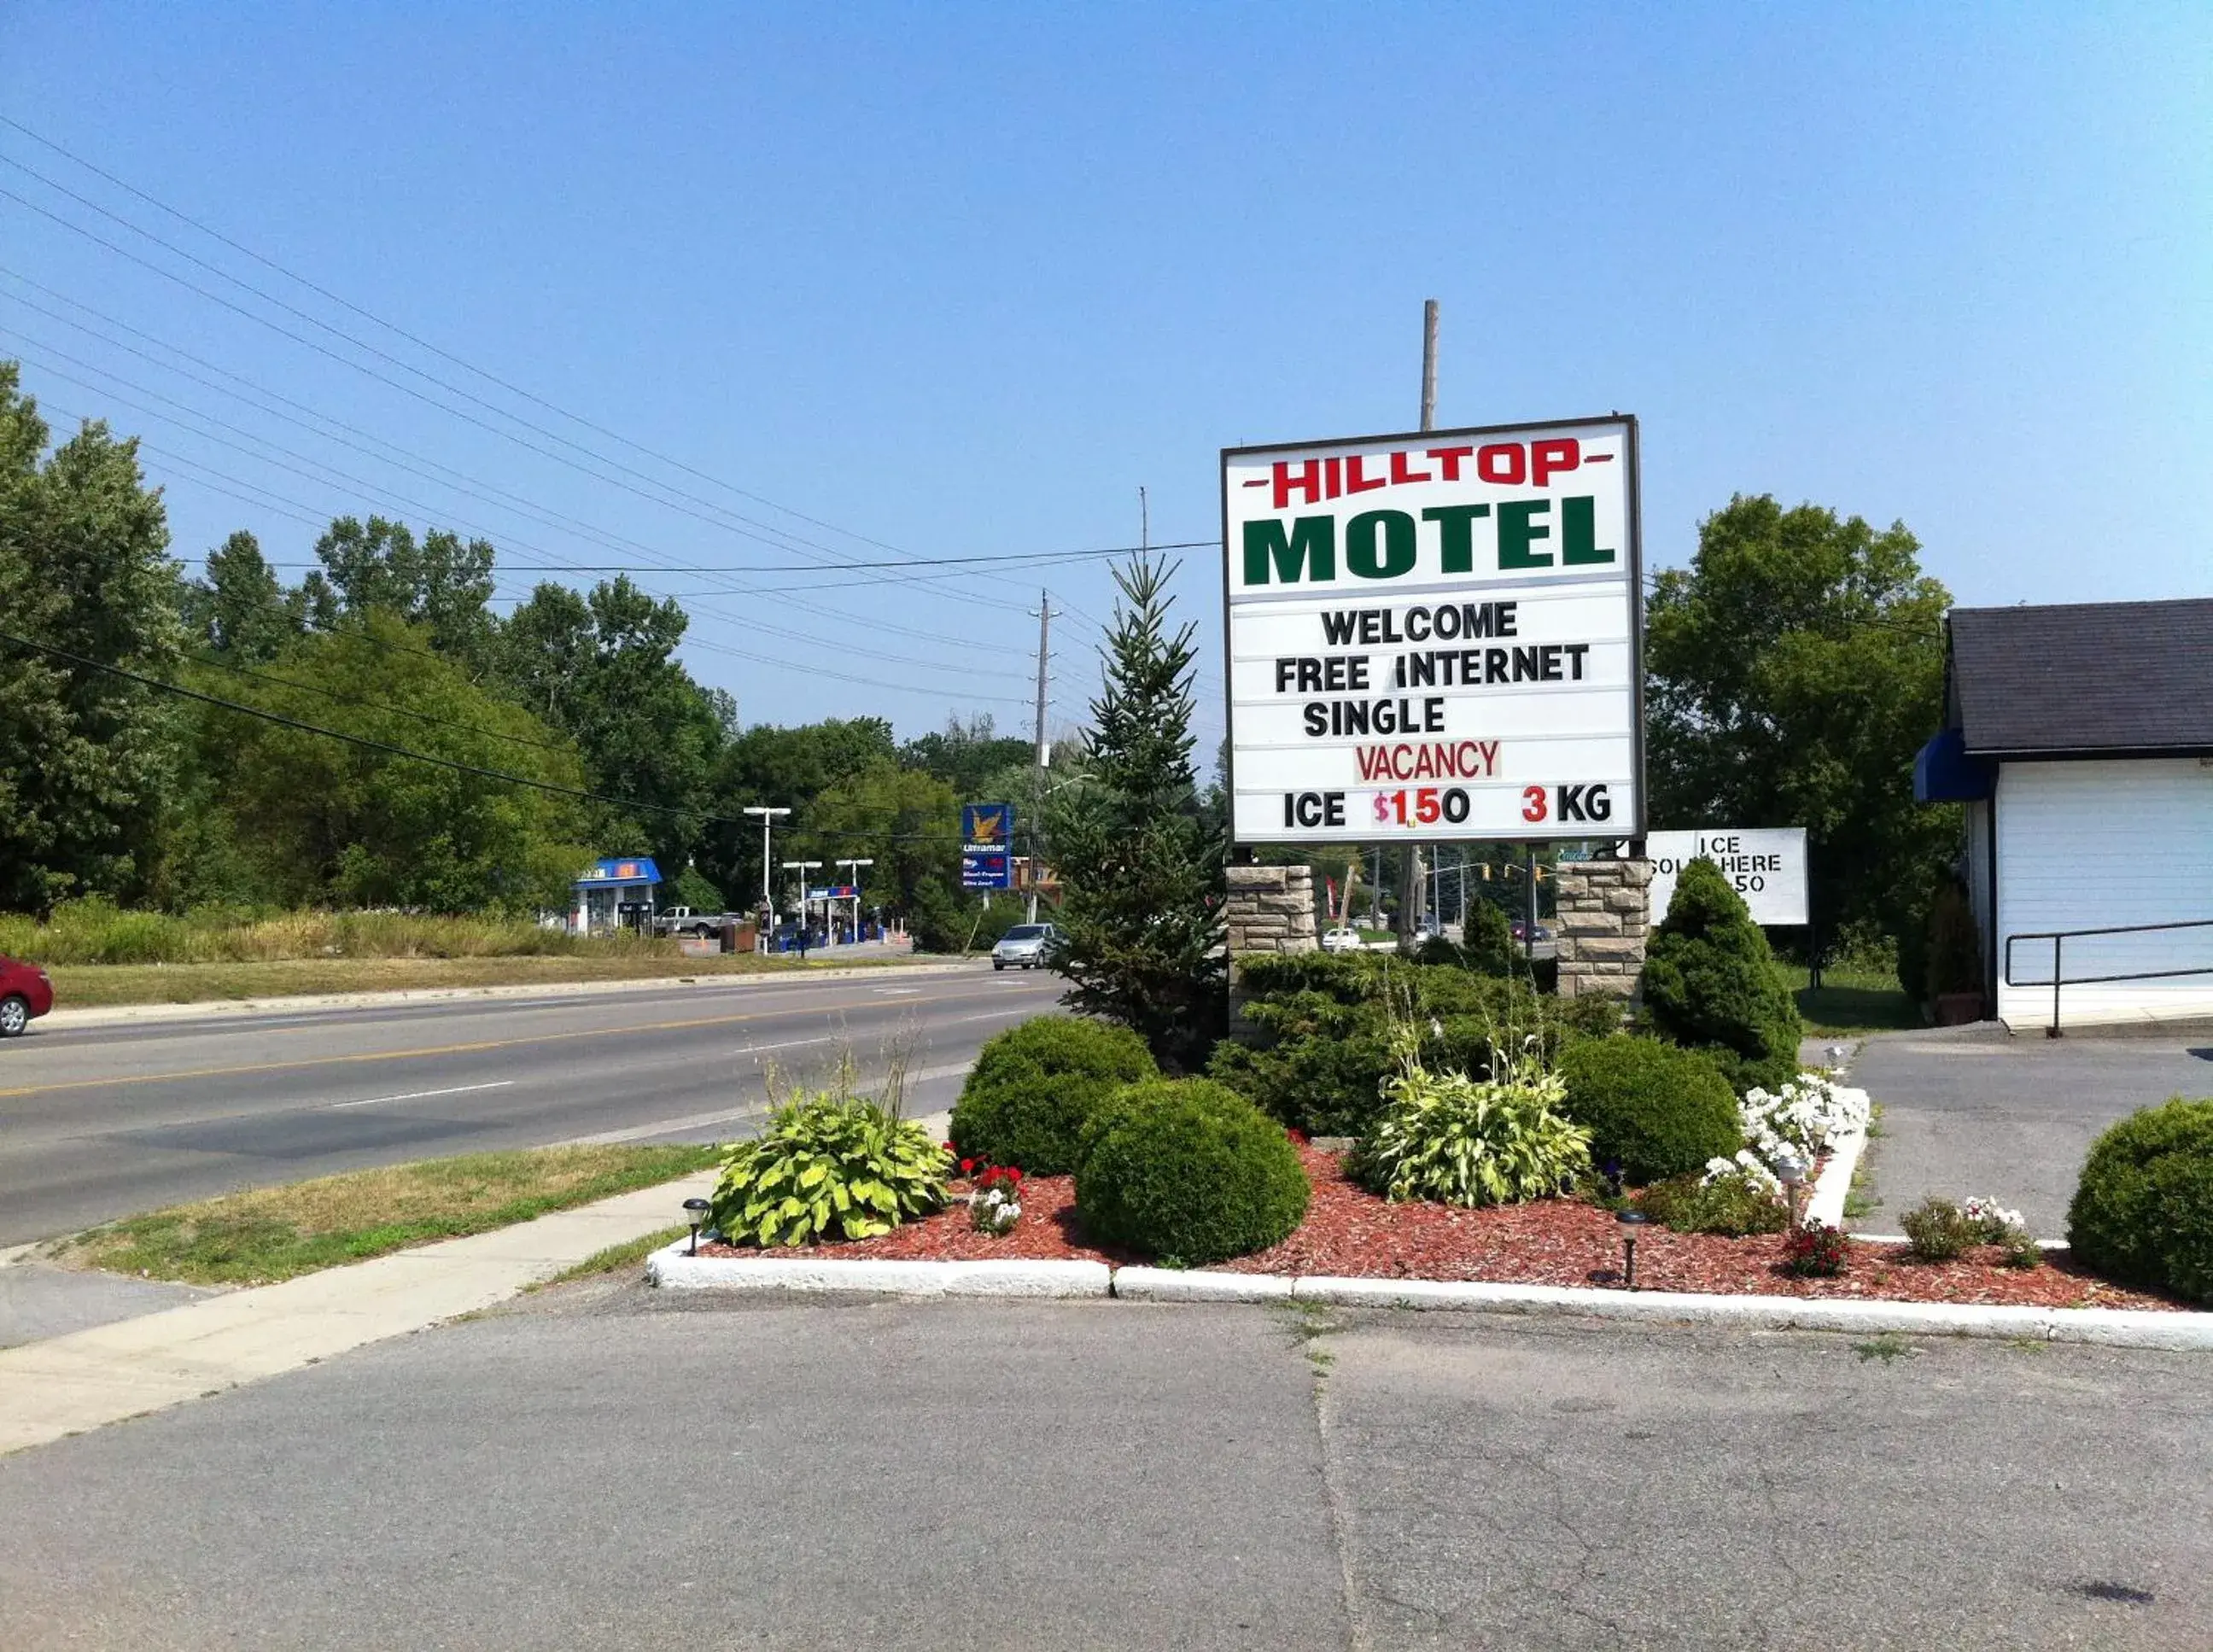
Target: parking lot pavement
x=1975 y=1111
x=602 y=1467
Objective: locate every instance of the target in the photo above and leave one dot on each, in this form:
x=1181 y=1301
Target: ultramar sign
x=1435 y=637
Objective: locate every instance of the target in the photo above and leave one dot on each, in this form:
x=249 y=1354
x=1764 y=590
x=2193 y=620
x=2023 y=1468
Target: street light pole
x=853 y=877
x=767 y=815
x=802 y=868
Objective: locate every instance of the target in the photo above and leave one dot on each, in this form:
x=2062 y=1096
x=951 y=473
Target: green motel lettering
x=1515 y=535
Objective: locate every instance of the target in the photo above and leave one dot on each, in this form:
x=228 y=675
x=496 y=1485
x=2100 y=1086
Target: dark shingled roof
x=2086 y=678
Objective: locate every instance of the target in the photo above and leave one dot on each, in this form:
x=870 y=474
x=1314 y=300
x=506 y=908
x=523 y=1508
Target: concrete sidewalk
x=67 y=1385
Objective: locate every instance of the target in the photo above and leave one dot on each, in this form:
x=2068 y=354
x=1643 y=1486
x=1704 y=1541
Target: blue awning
x=1944 y=773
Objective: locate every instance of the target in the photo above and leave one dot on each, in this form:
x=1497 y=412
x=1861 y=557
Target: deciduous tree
x=1792 y=672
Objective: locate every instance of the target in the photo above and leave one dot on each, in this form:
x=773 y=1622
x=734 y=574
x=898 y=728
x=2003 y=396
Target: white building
x=2081 y=740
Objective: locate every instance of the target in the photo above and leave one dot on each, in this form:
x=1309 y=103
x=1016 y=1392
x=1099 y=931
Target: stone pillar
x=1270 y=909
x=1600 y=926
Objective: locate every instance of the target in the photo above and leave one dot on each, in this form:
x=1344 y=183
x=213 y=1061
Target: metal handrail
x=2058 y=938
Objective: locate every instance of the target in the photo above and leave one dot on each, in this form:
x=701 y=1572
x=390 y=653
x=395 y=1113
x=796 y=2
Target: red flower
x=1298 y=1137
x=968 y=1165
x=949 y=1147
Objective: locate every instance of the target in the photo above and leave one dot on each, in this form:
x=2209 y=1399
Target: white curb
x=1834 y=1185
x=2178 y=1331
x=2114 y=1327
x=673 y=1269
x=1178 y=1285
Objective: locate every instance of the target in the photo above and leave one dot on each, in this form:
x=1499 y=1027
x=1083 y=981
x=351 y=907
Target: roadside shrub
x=1457 y=1140
x=1188 y=1171
x=1655 y=1109
x=2142 y=1212
x=1437 y=950
x=1734 y=1204
x=1322 y=1022
x=828 y=1167
x=1710 y=983
x=1815 y=1251
x=1487 y=942
x=1913 y=957
x=1034 y=1088
x=1936 y=1230
x=1955 y=948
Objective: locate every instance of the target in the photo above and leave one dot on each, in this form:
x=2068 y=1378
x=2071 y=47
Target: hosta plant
x=1458 y=1140
x=828 y=1167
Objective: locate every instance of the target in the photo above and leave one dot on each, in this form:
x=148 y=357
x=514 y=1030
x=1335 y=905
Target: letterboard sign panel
x=1435 y=637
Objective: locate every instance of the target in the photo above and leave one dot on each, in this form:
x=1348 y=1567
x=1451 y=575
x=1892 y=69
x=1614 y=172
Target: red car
x=25 y=991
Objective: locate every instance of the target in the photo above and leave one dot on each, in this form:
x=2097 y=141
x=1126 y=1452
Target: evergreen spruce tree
x=1710 y=983
x=1139 y=855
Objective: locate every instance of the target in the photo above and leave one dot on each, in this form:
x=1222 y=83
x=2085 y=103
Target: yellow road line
x=441 y=1050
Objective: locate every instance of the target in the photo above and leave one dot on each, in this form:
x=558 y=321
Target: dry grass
x=78 y=986
x=96 y=932
x=278 y=1233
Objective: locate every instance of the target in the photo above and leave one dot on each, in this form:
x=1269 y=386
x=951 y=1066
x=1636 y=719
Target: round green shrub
x=2142 y=1212
x=1659 y=1110
x=1188 y=1171
x=1034 y=1088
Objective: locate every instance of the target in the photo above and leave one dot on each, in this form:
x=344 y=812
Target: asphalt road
x=602 y=1467
x=1973 y=1111
x=100 y=1122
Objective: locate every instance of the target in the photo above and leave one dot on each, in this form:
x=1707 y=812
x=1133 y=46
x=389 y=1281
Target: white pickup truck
x=683 y=920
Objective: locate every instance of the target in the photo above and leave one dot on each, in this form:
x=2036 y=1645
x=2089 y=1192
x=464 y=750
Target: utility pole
x=1044 y=751
x=768 y=898
x=853 y=876
x=1410 y=886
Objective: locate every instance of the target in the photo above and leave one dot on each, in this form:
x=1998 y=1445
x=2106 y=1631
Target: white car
x=1341 y=939
x=1025 y=944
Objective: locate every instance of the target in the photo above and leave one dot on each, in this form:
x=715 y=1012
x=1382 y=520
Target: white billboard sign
x=1435 y=637
x=1766 y=864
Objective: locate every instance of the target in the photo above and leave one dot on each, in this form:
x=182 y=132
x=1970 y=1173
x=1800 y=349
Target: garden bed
x=1350 y=1233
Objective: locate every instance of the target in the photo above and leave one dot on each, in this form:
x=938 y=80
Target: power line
x=346 y=304
x=454 y=764
x=725 y=518
x=361 y=740
x=370 y=491
x=549 y=518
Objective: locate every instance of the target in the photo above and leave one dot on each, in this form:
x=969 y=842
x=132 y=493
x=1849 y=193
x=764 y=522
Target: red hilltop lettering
x=1505 y=464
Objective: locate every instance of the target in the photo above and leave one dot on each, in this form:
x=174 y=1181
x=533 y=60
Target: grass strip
x=1851 y=1001
x=273 y=1234
x=82 y=986
x=617 y=1257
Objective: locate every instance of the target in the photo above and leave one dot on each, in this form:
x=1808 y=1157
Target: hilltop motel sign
x=1436 y=637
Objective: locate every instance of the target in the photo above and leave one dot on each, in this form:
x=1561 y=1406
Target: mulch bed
x=1352 y=1234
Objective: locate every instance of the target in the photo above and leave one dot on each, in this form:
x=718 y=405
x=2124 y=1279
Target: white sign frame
x=1542 y=760
x=1779 y=896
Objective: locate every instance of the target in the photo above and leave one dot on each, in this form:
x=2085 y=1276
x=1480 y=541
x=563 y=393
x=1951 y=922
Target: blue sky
x=960 y=280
